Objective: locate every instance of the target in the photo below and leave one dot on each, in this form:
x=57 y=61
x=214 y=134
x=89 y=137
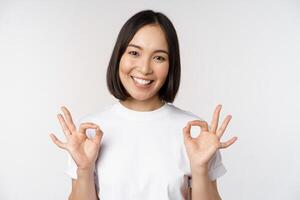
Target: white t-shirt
x=142 y=154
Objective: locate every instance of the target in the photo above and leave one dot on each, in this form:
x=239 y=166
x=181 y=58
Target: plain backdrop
x=244 y=55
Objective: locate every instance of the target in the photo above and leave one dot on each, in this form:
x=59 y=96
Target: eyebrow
x=158 y=50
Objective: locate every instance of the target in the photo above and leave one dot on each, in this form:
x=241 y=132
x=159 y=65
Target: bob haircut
x=170 y=87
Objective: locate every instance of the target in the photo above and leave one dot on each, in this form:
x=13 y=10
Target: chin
x=141 y=97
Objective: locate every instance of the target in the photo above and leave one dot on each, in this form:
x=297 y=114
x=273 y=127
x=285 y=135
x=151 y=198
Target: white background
x=242 y=54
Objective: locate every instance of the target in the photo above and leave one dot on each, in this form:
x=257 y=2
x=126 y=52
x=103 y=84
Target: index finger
x=203 y=124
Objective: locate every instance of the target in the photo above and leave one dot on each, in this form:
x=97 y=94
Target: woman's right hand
x=83 y=150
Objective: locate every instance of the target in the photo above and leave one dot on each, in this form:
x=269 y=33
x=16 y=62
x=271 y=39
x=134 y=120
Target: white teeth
x=141 y=81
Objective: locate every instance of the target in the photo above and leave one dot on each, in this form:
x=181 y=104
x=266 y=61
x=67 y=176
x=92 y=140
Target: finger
x=98 y=136
x=86 y=125
x=228 y=143
x=69 y=119
x=186 y=133
x=57 y=141
x=64 y=125
x=203 y=124
x=215 y=120
x=223 y=127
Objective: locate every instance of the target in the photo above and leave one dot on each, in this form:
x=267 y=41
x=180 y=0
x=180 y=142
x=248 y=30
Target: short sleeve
x=216 y=167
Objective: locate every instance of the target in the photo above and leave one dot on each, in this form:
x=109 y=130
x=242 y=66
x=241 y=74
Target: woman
x=141 y=147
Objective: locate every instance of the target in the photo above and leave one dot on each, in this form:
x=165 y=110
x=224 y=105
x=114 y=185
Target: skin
x=83 y=150
x=146 y=57
x=201 y=149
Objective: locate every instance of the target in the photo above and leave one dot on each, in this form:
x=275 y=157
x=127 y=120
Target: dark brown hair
x=171 y=85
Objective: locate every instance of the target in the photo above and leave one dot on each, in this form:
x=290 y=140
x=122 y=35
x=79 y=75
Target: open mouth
x=141 y=82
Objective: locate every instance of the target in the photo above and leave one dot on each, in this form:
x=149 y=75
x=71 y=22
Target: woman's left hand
x=201 y=149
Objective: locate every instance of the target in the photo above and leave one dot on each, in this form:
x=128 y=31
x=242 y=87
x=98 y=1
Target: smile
x=141 y=82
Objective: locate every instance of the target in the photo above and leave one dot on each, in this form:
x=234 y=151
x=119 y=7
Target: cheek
x=162 y=71
x=125 y=65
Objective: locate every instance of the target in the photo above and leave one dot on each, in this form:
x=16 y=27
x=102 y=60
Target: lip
x=141 y=86
x=142 y=78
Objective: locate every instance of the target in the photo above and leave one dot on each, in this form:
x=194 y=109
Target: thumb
x=98 y=136
x=186 y=132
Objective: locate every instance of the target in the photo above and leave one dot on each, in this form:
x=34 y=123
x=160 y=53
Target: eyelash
x=130 y=52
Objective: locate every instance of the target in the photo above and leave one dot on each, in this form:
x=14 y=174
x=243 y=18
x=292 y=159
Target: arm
x=203 y=187
x=84 y=186
x=84 y=152
x=200 y=151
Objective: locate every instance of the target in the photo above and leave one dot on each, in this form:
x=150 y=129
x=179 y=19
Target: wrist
x=199 y=169
x=86 y=167
x=85 y=172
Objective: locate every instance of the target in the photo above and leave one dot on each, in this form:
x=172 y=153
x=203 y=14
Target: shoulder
x=97 y=116
x=181 y=113
x=102 y=118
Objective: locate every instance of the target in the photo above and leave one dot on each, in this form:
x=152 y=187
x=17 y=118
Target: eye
x=134 y=53
x=160 y=58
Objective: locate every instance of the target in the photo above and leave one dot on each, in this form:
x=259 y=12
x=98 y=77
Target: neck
x=145 y=105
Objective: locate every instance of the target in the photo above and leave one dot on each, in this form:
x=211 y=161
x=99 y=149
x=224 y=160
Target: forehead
x=150 y=37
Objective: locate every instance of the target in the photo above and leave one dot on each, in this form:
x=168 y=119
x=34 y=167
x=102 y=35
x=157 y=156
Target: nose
x=144 y=66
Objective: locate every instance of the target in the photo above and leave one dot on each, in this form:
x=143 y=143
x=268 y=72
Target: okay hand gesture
x=83 y=150
x=201 y=149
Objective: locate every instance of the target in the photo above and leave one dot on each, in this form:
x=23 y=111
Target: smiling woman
x=142 y=146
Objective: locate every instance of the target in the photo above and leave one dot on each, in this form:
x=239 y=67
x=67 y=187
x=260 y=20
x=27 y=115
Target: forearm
x=202 y=187
x=84 y=188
